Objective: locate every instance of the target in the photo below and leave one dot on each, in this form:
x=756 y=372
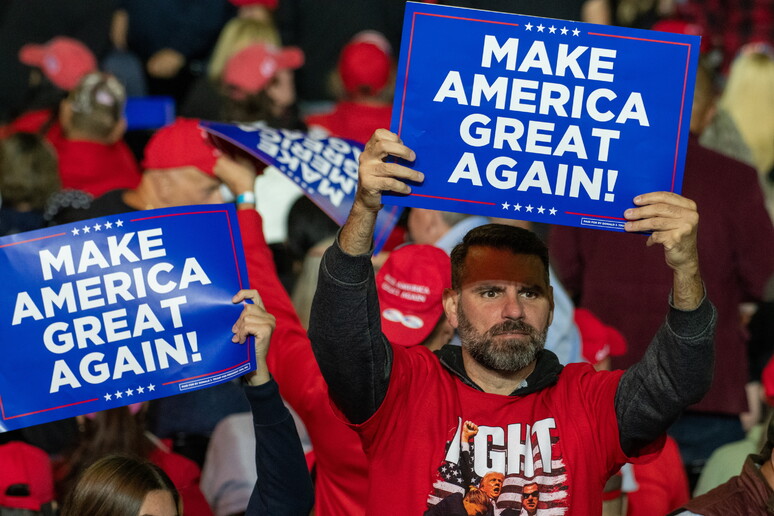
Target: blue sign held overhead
x=118 y=310
x=324 y=168
x=540 y=119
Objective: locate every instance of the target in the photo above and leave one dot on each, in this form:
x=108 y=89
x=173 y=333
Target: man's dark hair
x=499 y=236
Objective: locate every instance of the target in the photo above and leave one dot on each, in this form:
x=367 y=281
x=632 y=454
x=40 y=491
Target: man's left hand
x=674 y=221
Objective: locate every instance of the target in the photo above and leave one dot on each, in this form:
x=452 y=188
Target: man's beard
x=507 y=355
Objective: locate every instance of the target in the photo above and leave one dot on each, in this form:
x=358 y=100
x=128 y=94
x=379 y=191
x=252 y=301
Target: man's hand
x=165 y=63
x=237 y=174
x=256 y=321
x=469 y=430
x=674 y=221
x=374 y=177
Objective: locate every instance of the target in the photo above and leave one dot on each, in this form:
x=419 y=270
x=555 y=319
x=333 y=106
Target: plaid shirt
x=729 y=24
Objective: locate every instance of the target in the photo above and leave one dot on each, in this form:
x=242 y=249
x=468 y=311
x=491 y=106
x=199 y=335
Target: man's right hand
x=374 y=177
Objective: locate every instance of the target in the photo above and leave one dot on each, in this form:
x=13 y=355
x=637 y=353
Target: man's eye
x=529 y=294
x=489 y=293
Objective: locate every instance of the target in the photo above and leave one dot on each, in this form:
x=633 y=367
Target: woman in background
x=123 y=486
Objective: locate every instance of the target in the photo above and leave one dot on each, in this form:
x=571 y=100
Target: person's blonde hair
x=236 y=35
x=749 y=99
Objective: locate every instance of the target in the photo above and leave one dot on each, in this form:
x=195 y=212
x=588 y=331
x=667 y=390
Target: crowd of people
x=475 y=366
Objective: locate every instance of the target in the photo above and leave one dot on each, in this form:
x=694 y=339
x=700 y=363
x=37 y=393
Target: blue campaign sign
x=118 y=310
x=325 y=168
x=540 y=119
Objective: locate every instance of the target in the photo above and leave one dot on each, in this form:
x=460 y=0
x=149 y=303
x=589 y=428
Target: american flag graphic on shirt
x=519 y=465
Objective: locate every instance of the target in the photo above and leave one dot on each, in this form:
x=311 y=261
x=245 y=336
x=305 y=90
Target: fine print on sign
x=540 y=119
x=118 y=310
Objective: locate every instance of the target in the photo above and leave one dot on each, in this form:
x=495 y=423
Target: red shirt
x=564 y=438
x=95 y=168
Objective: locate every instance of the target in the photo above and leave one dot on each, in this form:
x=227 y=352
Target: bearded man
x=564 y=428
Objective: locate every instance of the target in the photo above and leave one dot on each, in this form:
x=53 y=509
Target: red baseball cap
x=249 y=71
x=598 y=341
x=26 y=479
x=366 y=63
x=410 y=286
x=63 y=60
x=181 y=144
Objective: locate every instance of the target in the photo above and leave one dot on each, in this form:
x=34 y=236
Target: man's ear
x=450 y=300
x=161 y=181
x=118 y=131
x=551 y=301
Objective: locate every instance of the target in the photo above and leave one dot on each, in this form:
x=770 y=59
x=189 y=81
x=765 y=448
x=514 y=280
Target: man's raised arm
x=676 y=370
x=345 y=326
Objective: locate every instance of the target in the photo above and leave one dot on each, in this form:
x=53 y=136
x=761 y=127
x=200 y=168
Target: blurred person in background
x=747 y=103
x=28 y=178
x=25 y=22
x=364 y=82
x=205 y=99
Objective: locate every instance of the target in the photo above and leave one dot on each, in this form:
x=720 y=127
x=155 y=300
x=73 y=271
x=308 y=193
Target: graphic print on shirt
x=495 y=471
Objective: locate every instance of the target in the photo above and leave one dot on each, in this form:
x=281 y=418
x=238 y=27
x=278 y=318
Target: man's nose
x=512 y=306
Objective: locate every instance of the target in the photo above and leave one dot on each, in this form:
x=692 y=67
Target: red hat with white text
x=410 y=286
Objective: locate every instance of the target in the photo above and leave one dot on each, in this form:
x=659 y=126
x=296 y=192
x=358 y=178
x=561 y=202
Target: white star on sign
x=75 y=231
x=151 y=388
x=551 y=29
x=575 y=32
x=540 y=28
x=117 y=394
x=529 y=208
x=108 y=397
x=119 y=223
x=506 y=205
x=528 y=26
x=140 y=389
x=541 y=209
x=552 y=211
x=85 y=229
x=97 y=227
x=517 y=207
x=564 y=31
x=108 y=225
x=129 y=392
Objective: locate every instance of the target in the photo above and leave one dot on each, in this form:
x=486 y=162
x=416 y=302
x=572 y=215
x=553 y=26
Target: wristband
x=246 y=198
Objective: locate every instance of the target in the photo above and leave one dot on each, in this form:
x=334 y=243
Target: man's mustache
x=511 y=326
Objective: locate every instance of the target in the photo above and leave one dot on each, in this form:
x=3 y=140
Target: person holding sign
x=565 y=428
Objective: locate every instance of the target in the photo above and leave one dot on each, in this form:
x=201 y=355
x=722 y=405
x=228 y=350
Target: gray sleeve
x=675 y=372
x=345 y=330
